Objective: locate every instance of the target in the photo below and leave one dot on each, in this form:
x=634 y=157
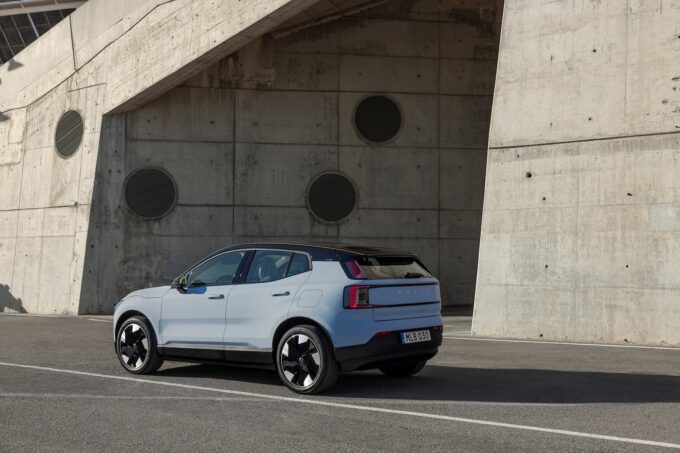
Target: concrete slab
x=376 y=172
x=186 y=114
x=398 y=223
x=381 y=37
x=182 y=160
x=274 y=223
x=266 y=117
x=389 y=74
x=279 y=175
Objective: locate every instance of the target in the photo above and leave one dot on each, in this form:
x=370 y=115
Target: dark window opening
x=332 y=197
x=69 y=133
x=378 y=118
x=150 y=193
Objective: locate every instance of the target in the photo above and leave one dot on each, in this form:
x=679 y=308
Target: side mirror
x=180 y=282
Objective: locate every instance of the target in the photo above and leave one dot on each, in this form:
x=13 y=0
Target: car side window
x=298 y=265
x=268 y=265
x=217 y=271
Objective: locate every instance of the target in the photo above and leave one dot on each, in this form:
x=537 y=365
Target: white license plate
x=415 y=337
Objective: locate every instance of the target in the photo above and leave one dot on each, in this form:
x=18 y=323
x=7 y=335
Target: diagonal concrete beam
x=183 y=38
x=138 y=49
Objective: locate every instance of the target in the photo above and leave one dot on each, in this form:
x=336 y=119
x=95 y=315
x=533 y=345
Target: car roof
x=323 y=251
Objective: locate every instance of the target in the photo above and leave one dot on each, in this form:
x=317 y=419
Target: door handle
x=285 y=293
x=216 y=296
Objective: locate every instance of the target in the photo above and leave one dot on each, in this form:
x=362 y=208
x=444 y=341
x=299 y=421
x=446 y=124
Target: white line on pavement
x=31 y=315
x=319 y=402
x=599 y=345
x=258 y=399
x=122 y=397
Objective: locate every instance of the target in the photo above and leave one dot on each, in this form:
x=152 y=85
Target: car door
x=262 y=300
x=193 y=315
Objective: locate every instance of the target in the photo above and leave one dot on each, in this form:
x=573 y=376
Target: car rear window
x=390 y=267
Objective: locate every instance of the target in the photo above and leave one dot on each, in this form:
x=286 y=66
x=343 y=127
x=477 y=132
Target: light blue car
x=308 y=310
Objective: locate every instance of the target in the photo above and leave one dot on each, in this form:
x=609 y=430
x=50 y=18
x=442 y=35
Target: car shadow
x=441 y=383
x=226 y=372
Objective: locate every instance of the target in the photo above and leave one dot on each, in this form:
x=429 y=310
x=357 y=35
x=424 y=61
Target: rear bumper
x=387 y=349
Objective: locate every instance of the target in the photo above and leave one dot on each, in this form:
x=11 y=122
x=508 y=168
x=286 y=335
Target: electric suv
x=310 y=311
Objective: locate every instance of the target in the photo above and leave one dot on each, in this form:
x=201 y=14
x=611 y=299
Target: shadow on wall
x=11 y=66
x=9 y=303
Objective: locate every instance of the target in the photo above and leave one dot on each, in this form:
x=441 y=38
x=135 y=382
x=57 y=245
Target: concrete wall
x=244 y=139
x=99 y=60
x=586 y=104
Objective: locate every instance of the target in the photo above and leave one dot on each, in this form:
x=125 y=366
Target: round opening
x=377 y=118
x=69 y=133
x=331 y=197
x=150 y=193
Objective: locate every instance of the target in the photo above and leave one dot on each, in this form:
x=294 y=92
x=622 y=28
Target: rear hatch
x=399 y=301
x=399 y=287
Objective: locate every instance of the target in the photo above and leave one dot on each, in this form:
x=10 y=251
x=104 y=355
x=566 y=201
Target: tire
x=305 y=360
x=136 y=346
x=403 y=370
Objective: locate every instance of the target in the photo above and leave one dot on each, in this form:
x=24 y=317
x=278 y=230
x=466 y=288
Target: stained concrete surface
x=243 y=103
x=580 y=237
x=614 y=391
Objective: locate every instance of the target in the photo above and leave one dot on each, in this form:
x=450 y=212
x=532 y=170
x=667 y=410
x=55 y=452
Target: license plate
x=415 y=337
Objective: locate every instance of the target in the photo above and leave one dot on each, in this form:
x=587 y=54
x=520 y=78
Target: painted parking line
x=567 y=343
x=85 y=396
x=30 y=315
x=319 y=402
x=31 y=395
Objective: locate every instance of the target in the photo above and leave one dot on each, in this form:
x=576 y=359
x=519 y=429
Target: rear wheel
x=305 y=360
x=136 y=346
x=403 y=369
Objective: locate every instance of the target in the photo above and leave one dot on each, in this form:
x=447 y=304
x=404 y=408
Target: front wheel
x=305 y=360
x=403 y=369
x=136 y=346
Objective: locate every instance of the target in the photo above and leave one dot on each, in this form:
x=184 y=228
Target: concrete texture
x=244 y=138
x=99 y=60
x=243 y=103
x=580 y=232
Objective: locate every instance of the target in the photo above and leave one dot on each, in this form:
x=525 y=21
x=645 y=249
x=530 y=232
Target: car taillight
x=355 y=270
x=356 y=297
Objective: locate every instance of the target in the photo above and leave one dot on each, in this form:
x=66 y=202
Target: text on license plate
x=415 y=337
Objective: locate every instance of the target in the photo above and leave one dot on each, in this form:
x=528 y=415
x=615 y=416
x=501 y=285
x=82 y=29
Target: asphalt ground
x=62 y=389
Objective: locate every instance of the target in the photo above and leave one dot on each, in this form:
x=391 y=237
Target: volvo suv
x=309 y=311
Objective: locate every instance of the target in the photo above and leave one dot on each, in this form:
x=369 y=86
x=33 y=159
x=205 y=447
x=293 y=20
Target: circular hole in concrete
x=150 y=193
x=378 y=118
x=69 y=134
x=331 y=197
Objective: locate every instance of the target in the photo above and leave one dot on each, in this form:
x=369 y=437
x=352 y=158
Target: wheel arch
x=129 y=314
x=296 y=321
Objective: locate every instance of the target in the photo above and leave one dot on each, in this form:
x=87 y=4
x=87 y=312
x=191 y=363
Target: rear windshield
x=387 y=267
